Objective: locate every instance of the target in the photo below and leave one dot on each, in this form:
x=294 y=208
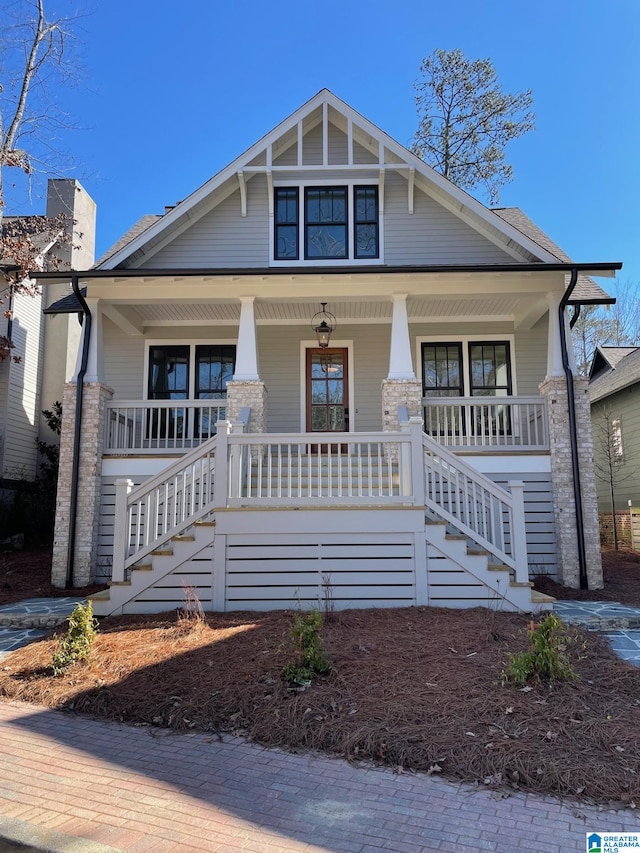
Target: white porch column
x=246 y=389
x=247 y=353
x=554 y=349
x=401 y=387
x=95 y=371
x=400 y=361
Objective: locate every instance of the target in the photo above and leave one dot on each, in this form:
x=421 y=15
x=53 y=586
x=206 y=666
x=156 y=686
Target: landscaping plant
x=309 y=657
x=546 y=658
x=76 y=644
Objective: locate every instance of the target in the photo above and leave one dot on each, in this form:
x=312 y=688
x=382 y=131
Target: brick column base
x=88 y=506
x=248 y=393
x=399 y=392
x=555 y=390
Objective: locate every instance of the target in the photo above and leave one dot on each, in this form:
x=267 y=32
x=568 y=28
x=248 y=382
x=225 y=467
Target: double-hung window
x=329 y=223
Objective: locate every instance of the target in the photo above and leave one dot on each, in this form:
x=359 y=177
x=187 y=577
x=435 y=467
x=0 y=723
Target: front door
x=327 y=390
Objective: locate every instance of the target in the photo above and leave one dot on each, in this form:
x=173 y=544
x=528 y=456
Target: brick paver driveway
x=72 y=783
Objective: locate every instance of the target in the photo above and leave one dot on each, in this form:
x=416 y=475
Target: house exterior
x=614 y=391
x=46 y=347
x=328 y=373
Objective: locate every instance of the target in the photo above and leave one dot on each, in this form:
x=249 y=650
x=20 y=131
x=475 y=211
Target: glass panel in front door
x=327 y=390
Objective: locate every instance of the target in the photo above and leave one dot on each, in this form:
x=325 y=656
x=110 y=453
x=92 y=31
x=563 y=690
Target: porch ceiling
x=360 y=310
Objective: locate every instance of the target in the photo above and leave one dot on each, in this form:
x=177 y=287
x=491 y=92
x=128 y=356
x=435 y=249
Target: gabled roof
x=623 y=370
x=586 y=290
x=498 y=229
x=139 y=228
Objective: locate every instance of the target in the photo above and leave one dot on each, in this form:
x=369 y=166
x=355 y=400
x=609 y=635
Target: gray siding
x=123 y=361
x=624 y=405
x=224 y=237
x=280 y=368
x=431 y=235
x=539 y=520
x=280 y=362
x=530 y=347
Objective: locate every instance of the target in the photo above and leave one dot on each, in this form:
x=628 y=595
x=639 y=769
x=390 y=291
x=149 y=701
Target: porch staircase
x=173 y=521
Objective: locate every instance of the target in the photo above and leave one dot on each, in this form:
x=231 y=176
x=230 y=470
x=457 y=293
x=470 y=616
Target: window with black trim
x=490 y=369
x=365 y=202
x=286 y=224
x=325 y=222
x=332 y=223
x=173 y=371
x=486 y=373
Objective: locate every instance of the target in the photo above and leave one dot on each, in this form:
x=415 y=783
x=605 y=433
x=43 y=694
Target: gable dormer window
x=331 y=223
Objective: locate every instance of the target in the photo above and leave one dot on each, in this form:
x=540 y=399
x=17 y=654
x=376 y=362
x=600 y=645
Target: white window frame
x=181 y=342
x=337 y=182
x=616 y=439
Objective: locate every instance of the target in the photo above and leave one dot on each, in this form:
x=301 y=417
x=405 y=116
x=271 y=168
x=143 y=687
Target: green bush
x=309 y=658
x=76 y=644
x=547 y=657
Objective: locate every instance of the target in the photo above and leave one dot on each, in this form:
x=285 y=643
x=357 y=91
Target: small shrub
x=76 y=644
x=547 y=657
x=309 y=658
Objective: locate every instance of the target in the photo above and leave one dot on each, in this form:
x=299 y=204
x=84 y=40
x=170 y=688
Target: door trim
x=337 y=344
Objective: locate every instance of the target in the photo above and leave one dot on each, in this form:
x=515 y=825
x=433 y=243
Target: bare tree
x=615 y=326
x=466 y=121
x=609 y=460
x=34 y=66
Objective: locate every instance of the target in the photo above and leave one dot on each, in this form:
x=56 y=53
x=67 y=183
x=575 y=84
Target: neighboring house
x=328 y=372
x=46 y=347
x=614 y=390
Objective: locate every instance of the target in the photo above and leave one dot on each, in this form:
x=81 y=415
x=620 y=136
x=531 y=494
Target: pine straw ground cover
x=418 y=689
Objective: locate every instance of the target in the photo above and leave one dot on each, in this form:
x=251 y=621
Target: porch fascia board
x=333 y=288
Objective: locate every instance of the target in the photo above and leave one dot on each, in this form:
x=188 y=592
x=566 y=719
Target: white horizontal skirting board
x=292 y=603
x=337 y=580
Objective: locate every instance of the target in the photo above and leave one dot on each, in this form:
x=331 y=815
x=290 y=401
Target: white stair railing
x=489 y=515
x=162 y=507
x=169 y=503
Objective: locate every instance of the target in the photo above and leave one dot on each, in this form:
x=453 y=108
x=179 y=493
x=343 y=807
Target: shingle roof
x=141 y=225
x=67 y=305
x=625 y=372
x=586 y=290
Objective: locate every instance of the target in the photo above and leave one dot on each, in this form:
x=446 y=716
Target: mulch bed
x=418 y=689
x=621 y=572
x=27 y=574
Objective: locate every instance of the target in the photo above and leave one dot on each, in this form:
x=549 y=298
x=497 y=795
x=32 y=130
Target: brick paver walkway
x=126 y=788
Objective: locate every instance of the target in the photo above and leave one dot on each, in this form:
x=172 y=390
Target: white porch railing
x=487 y=423
x=311 y=468
x=138 y=427
x=238 y=469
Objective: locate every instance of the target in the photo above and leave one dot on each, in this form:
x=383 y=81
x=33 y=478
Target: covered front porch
x=479 y=373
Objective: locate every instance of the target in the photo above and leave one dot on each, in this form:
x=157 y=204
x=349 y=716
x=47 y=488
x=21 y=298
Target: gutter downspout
x=73 y=502
x=571 y=406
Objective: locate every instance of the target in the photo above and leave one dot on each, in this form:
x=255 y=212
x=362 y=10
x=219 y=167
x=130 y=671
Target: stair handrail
x=127 y=498
x=511 y=507
x=183 y=462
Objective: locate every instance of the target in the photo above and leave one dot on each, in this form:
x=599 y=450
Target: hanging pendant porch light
x=323 y=324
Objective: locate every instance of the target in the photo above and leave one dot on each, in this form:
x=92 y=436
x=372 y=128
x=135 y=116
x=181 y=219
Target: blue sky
x=165 y=99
